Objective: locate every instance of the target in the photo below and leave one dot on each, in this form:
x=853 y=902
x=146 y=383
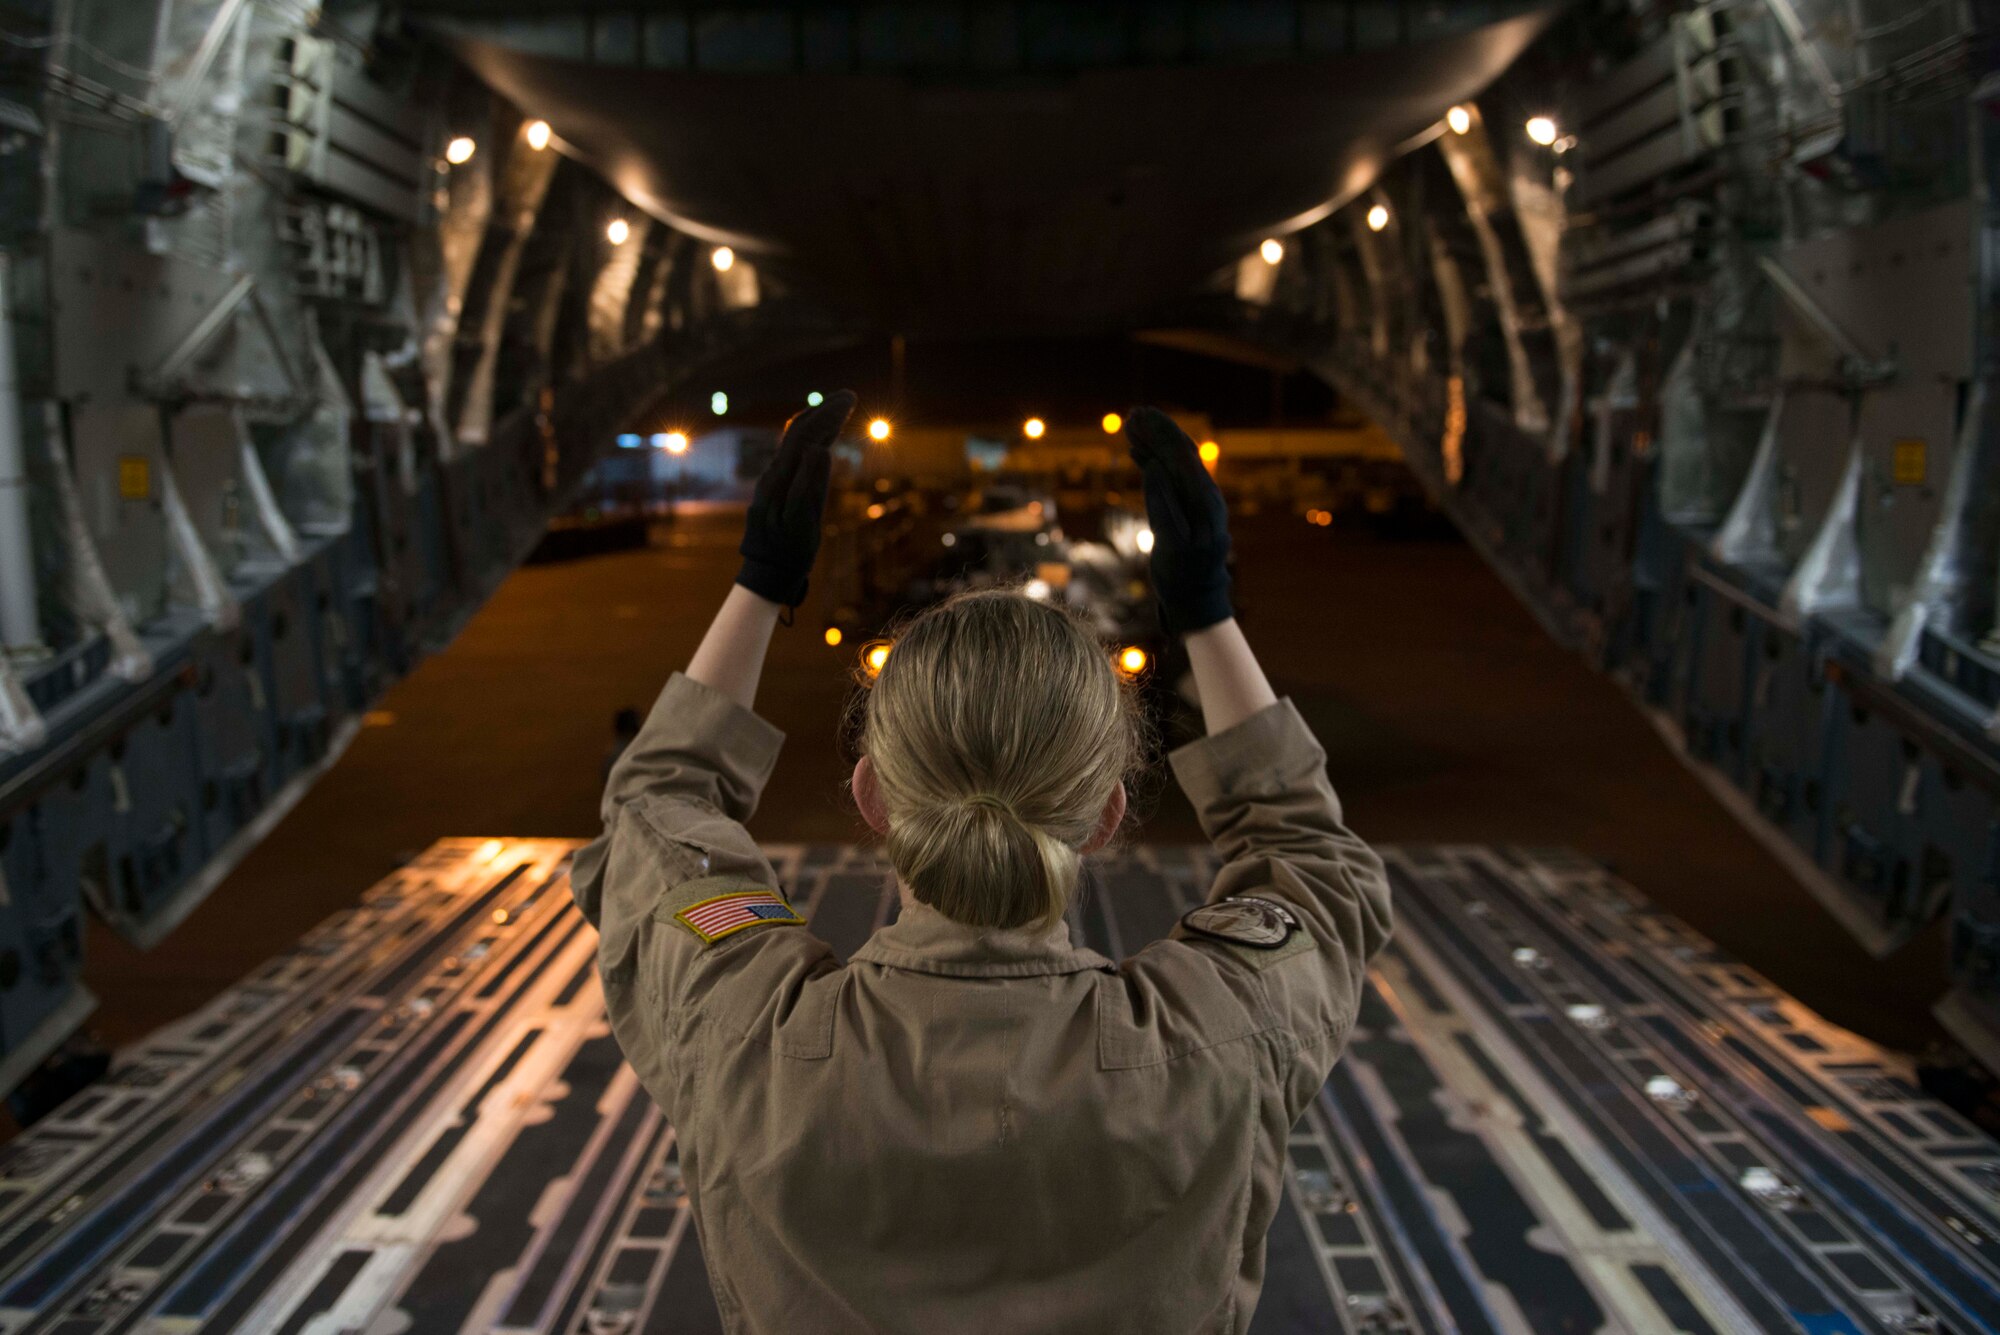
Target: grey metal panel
x=1671 y=148
x=122 y=310
x=393 y=155
x=362 y=183
x=1653 y=66
x=1648 y=115
x=130 y=530
x=205 y=455
x=1813 y=435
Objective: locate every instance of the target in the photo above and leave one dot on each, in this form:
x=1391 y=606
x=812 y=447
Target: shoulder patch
x=1242 y=920
x=718 y=916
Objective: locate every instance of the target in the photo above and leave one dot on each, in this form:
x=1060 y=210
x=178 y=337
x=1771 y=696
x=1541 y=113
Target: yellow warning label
x=1909 y=461
x=135 y=477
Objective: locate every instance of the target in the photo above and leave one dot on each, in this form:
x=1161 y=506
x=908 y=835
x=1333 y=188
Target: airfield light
x=833 y=637
x=460 y=150
x=723 y=258
x=1209 y=452
x=676 y=442
x=1378 y=217
x=879 y=429
x=1113 y=423
x=1132 y=660
x=538 y=135
x=1272 y=250
x=1542 y=129
x=617 y=231
x=874 y=656
x=815 y=399
x=718 y=403
x=1034 y=428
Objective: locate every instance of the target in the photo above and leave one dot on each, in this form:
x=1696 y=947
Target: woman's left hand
x=781 y=534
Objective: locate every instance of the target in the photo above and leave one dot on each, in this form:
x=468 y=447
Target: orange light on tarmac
x=1132 y=660
x=1113 y=424
x=879 y=429
x=833 y=637
x=874 y=656
x=1210 y=452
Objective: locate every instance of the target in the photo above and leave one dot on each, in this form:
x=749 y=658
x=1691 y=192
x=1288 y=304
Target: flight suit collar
x=926 y=941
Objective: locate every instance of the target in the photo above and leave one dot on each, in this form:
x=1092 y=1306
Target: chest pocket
x=1171 y=1000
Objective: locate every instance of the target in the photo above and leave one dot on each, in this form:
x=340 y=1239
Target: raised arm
x=675 y=885
x=1301 y=903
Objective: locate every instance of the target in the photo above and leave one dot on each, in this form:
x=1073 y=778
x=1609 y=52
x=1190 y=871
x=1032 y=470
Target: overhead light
x=815 y=399
x=1143 y=540
x=1113 y=423
x=1542 y=129
x=460 y=150
x=833 y=637
x=722 y=257
x=538 y=133
x=617 y=231
x=1272 y=250
x=1209 y=452
x=1132 y=660
x=879 y=429
x=1034 y=428
x=1378 y=217
x=675 y=442
x=1459 y=119
x=718 y=403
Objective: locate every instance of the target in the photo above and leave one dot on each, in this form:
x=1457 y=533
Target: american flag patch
x=713 y=919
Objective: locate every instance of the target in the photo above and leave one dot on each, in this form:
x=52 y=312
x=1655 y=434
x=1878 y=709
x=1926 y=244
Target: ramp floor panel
x=1561 y=1111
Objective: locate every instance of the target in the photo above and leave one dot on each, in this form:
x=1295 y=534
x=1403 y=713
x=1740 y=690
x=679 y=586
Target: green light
x=718 y=403
x=815 y=399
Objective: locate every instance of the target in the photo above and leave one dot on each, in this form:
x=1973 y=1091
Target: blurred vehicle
x=1006 y=535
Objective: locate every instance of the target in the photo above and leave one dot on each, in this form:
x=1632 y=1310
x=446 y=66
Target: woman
x=973 y=1124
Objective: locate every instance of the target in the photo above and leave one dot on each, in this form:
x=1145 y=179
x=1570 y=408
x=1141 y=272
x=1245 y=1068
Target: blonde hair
x=997 y=730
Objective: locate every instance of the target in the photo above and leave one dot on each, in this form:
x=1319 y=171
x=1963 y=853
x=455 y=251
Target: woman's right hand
x=781 y=531
x=1190 y=523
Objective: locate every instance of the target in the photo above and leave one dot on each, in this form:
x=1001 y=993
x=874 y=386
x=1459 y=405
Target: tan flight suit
x=966 y=1129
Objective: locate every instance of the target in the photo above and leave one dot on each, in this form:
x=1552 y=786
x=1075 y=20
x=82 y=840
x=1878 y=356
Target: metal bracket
x=211 y=46
x=1857 y=366
x=210 y=591
x=1750 y=529
x=264 y=502
x=90 y=587
x=167 y=380
x=1829 y=574
x=21 y=725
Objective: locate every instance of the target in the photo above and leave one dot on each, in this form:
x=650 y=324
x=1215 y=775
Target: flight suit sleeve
x=1261 y=792
x=673 y=842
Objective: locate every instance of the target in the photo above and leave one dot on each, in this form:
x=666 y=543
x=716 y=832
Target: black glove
x=1190 y=524
x=781 y=535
